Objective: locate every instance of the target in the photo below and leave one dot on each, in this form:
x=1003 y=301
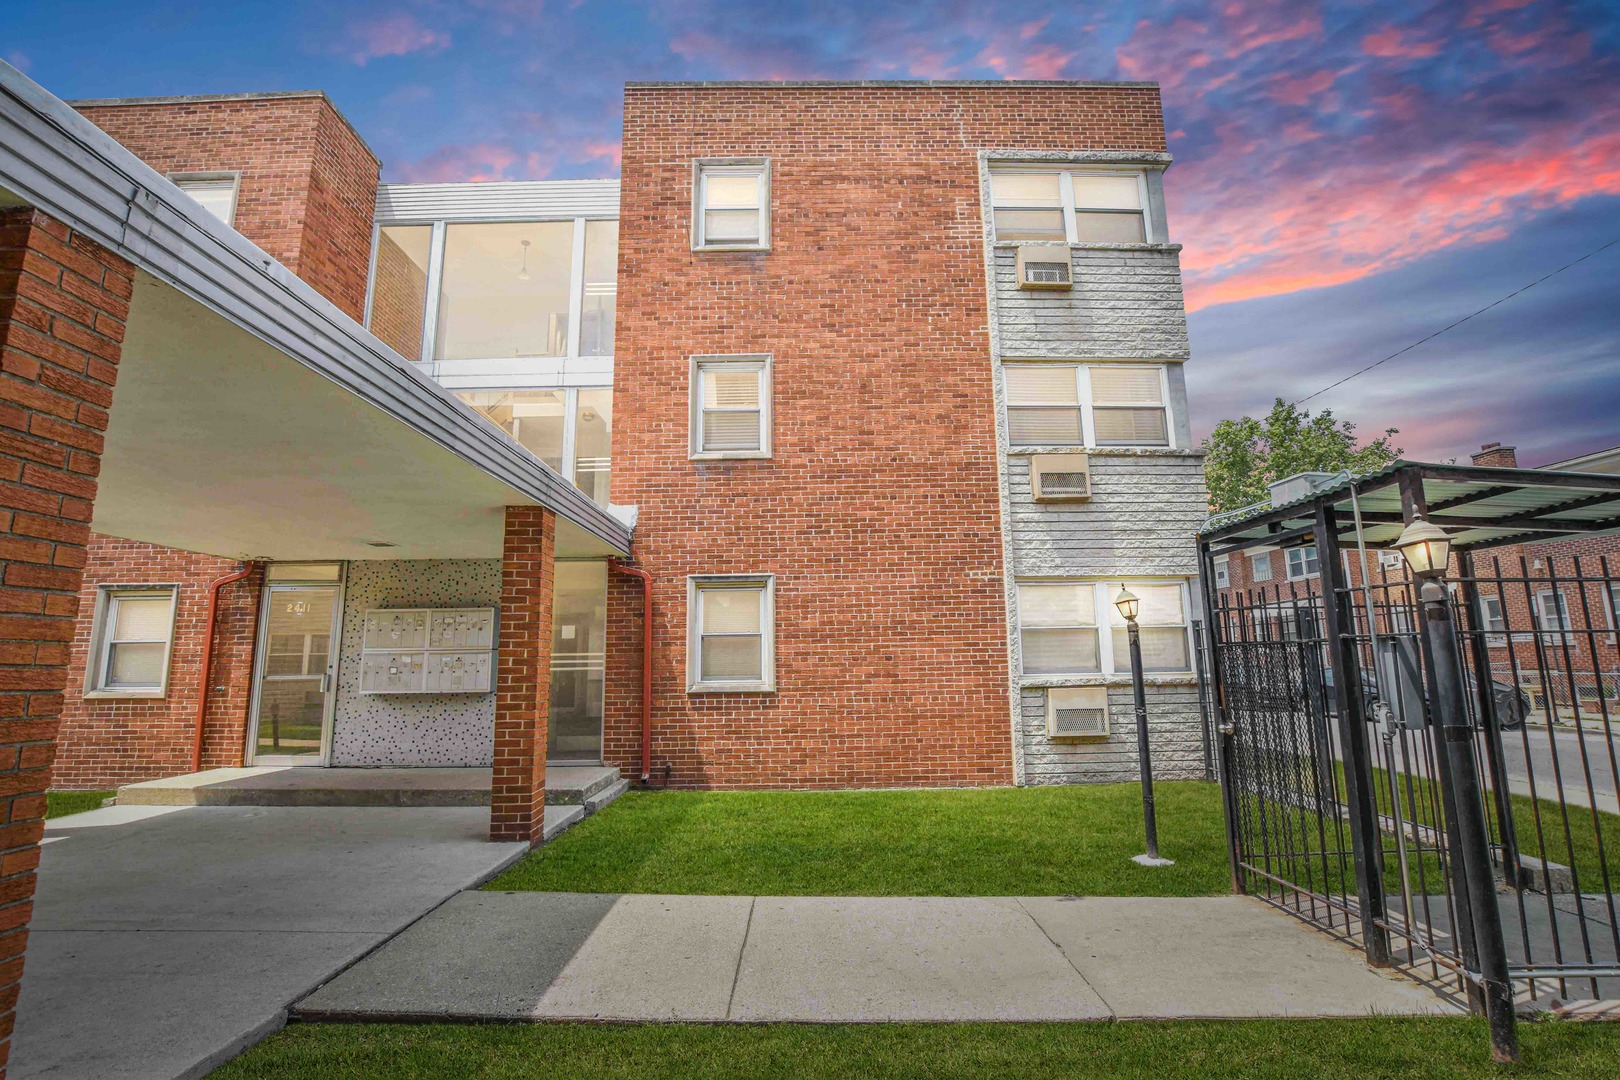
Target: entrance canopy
x=252 y=418
x=1478 y=507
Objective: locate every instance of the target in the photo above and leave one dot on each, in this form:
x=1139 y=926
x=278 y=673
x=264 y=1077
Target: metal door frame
x=333 y=654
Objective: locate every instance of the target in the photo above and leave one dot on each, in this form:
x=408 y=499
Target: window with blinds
x=732 y=204
x=1058 y=629
x=1076 y=206
x=1162 y=620
x=131 y=633
x=731 y=408
x=1049 y=405
x=731 y=636
x=1127 y=406
x=1043 y=405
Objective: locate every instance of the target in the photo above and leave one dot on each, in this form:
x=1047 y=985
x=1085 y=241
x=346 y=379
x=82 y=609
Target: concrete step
x=605 y=796
x=569 y=785
x=559 y=818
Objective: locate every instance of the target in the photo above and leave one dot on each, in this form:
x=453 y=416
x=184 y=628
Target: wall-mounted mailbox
x=428 y=651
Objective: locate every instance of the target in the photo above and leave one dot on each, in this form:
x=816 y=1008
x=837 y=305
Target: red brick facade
x=879 y=512
x=523 y=675
x=63 y=304
x=307 y=196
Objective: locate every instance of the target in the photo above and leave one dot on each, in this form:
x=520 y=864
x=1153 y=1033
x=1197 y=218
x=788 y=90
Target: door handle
x=326 y=682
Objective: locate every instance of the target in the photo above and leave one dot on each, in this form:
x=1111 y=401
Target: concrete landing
x=562 y=956
x=588 y=786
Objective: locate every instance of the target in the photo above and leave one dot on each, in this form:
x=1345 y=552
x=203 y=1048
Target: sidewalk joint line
x=1113 y=1013
x=741 y=950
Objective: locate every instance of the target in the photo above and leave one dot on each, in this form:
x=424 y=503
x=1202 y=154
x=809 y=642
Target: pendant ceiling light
x=523 y=274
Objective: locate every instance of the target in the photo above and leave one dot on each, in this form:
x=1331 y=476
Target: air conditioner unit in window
x=1077 y=712
x=1045 y=266
x=1059 y=477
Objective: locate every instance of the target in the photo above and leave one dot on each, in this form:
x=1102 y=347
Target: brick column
x=523 y=675
x=63 y=303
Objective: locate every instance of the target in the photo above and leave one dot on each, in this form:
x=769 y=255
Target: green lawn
x=1052 y=841
x=62 y=803
x=1194 y=1050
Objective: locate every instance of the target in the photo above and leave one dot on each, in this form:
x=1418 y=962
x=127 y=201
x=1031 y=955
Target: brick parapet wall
x=879 y=513
x=63 y=304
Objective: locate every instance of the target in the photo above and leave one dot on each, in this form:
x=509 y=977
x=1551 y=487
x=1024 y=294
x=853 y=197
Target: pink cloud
x=1300 y=89
x=1395 y=44
x=453 y=164
x=19 y=60
x=395 y=35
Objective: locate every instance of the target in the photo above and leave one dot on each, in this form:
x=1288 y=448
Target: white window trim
x=1103 y=604
x=739 y=166
x=1611 y=596
x=1488 y=616
x=1066 y=174
x=1262 y=557
x=1223 y=571
x=719 y=362
x=208 y=176
x=101 y=643
x=695 y=684
x=1088 y=424
x=1288 y=564
x=1565 y=618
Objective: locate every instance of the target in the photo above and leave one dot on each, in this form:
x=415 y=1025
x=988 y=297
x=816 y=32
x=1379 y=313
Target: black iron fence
x=1341 y=799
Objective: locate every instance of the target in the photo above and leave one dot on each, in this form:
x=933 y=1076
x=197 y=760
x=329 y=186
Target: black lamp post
x=1128 y=605
x=1427 y=550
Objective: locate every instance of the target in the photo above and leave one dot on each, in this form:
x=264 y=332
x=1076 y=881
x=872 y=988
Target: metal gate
x=1431 y=772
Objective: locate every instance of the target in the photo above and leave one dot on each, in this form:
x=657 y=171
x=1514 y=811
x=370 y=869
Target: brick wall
x=523 y=675
x=397 y=303
x=63 y=302
x=307 y=195
x=308 y=187
x=879 y=512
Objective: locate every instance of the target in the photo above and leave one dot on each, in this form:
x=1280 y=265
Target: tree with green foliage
x=1245 y=455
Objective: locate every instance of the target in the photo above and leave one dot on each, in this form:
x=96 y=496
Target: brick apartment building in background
x=890 y=375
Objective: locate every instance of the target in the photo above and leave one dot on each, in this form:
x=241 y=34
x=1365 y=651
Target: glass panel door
x=578 y=655
x=294 y=696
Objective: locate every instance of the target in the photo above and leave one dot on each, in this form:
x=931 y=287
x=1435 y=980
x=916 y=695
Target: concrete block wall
x=1173 y=737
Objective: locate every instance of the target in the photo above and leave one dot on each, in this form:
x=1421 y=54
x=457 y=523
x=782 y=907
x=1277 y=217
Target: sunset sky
x=1349 y=176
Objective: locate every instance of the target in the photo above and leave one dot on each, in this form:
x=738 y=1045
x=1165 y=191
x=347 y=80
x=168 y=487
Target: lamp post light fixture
x=1129 y=604
x=1427 y=550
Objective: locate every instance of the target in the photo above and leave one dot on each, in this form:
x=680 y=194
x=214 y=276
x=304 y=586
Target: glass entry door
x=293 y=699
x=578 y=652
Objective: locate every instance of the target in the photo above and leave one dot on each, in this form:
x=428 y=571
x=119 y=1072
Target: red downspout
x=208 y=657
x=646 y=662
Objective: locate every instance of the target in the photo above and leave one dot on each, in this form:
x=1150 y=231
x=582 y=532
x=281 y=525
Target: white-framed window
x=132 y=633
x=1491 y=619
x=1552 y=611
x=1087 y=404
x=731 y=633
x=1059 y=628
x=216 y=191
x=1303 y=563
x=1223 y=571
x=731 y=407
x=731 y=205
x=1612 y=595
x=1260 y=566
x=1075 y=205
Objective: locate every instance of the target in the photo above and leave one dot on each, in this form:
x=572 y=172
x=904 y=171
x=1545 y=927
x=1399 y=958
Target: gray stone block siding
x=1146 y=504
x=1126 y=303
x=1145 y=508
x=1173 y=736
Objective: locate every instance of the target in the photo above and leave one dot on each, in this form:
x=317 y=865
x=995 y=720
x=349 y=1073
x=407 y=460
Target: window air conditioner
x=1045 y=266
x=1060 y=477
x=1079 y=712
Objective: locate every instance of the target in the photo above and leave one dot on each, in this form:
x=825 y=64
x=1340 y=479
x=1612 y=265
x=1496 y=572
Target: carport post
x=63 y=303
x=523 y=676
x=1365 y=838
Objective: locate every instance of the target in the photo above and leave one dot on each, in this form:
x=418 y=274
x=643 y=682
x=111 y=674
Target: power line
x=1459 y=322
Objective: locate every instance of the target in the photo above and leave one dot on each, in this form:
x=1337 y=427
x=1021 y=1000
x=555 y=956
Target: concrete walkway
x=165 y=940
x=558 y=956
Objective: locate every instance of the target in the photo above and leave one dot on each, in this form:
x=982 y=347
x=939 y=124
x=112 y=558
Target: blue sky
x=1349 y=176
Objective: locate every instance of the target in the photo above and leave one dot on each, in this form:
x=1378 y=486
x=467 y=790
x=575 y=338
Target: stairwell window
x=131 y=634
x=1076 y=206
x=1057 y=629
x=731 y=407
x=731 y=635
x=731 y=205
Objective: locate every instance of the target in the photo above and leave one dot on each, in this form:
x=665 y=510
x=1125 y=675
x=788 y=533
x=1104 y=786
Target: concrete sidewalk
x=166 y=939
x=558 y=956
